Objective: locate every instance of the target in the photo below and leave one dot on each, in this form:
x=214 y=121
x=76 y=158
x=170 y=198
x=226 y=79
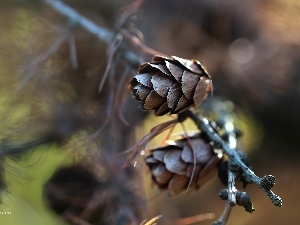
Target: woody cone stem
x=170 y=85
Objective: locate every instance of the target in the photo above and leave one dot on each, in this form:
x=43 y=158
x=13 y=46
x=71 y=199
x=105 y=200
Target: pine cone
x=172 y=166
x=170 y=84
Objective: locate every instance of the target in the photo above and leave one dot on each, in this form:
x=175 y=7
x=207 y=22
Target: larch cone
x=184 y=164
x=170 y=85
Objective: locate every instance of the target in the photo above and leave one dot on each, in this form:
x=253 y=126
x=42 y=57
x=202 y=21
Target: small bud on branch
x=204 y=125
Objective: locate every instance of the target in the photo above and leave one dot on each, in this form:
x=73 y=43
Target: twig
x=111 y=51
x=73 y=54
x=141 y=45
x=231 y=188
x=194 y=219
x=231 y=140
x=266 y=182
x=139 y=146
x=205 y=126
x=32 y=68
x=74 y=17
x=225 y=215
x=152 y=221
x=102 y=33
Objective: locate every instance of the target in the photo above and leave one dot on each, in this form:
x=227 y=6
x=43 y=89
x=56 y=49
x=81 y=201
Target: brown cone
x=172 y=166
x=170 y=84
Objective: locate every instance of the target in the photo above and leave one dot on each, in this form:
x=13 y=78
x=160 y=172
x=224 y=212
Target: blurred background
x=53 y=116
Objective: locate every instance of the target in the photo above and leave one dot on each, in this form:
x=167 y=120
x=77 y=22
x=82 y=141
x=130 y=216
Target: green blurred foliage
x=26 y=174
x=25 y=178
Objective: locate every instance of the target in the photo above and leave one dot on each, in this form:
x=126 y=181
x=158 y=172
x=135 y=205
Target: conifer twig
x=266 y=182
x=102 y=33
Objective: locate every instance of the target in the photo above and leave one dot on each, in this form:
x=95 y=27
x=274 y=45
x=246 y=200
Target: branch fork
x=235 y=163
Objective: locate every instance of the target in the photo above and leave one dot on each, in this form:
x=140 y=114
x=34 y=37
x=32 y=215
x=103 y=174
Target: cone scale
x=174 y=168
x=170 y=85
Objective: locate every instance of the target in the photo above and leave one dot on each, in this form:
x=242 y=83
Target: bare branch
x=204 y=125
x=152 y=221
x=102 y=33
x=223 y=219
x=231 y=188
x=33 y=67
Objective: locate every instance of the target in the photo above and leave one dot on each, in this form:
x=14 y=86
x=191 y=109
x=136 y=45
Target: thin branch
x=119 y=96
x=135 y=40
x=104 y=34
x=194 y=219
x=231 y=188
x=111 y=51
x=74 y=17
x=152 y=221
x=32 y=67
x=205 y=126
x=73 y=53
x=223 y=219
x=136 y=149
